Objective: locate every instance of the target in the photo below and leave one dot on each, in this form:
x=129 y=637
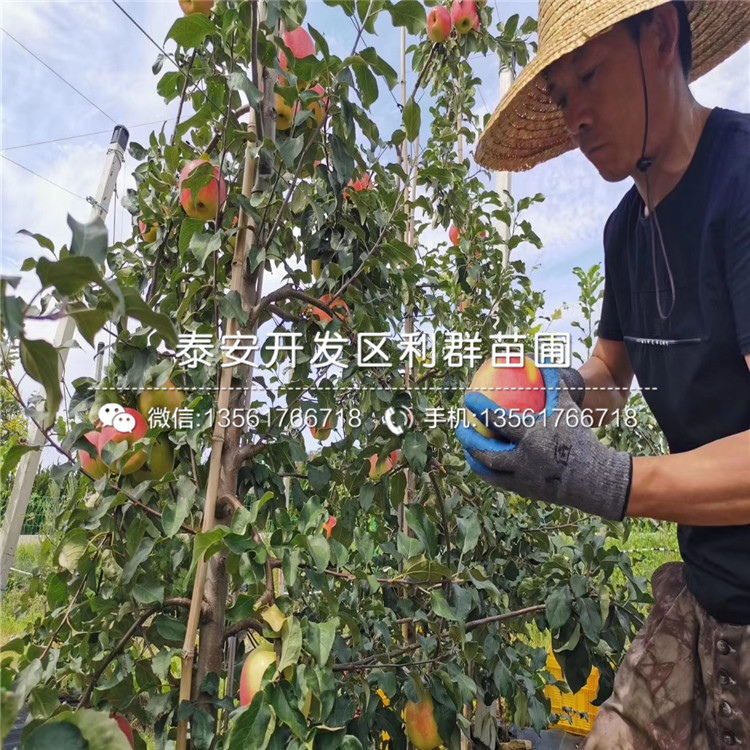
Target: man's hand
x=549 y=460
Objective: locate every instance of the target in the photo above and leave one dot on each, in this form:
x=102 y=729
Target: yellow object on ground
x=577 y=703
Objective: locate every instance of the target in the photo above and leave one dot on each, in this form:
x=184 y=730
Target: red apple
x=421 y=726
x=324 y=317
x=258 y=660
x=319 y=107
x=464 y=303
x=465 y=16
x=527 y=381
x=122 y=722
x=168 y=397
x=328 y=526
x=197 y=6
x=299 y=42
x=454 y=234
x=93 y=466
x=208 y=199
x=364 y=183
x=439 y=24
x=379 y=469
x=149 y=235
x=111 y=433
x=321 y=433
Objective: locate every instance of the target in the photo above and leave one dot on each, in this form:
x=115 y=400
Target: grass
x=19 y=609
x=652 y=544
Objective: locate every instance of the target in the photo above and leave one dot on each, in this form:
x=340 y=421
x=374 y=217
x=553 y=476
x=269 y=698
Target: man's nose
x=578 y=117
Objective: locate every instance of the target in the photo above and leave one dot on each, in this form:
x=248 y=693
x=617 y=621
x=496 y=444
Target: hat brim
x=527 y=128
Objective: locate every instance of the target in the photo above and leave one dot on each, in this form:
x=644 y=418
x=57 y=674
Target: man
x=611 y=78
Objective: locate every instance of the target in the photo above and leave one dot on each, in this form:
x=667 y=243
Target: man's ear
x=666 y=26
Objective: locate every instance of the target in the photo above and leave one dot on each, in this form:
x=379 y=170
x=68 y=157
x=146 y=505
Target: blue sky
x=94 y=46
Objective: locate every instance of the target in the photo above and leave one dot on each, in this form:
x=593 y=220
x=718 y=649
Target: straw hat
x=527 y=128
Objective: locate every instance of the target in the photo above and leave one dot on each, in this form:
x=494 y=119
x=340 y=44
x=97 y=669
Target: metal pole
x=507 y=75
x=28 y=466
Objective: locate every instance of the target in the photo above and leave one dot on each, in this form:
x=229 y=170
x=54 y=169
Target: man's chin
x=611 y=173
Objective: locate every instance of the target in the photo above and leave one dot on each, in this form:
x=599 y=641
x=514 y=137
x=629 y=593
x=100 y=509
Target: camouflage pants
x=684 y=684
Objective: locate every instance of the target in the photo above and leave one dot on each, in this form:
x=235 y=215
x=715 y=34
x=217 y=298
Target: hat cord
x=643 y=164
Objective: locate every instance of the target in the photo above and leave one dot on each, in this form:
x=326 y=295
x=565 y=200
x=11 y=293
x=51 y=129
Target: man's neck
x=671 y=162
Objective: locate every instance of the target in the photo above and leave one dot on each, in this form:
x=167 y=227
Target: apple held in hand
x=379 y=468
x=421 y=727
x=512 y=388
x=203 y=7
x=208 y=198
x=439 y=24
x=258 y=660
x=465 y=16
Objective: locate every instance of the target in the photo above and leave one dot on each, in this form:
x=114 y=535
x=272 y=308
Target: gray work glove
x=555 y=459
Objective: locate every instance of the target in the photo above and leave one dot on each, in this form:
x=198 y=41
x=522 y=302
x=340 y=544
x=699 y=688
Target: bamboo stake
x=214 y=471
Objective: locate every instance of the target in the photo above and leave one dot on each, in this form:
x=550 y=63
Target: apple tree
x=350 y=591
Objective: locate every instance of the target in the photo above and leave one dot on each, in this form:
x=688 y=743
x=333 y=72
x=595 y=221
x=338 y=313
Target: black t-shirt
x=694 y=358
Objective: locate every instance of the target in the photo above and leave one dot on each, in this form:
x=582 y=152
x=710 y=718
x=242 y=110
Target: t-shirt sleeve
x=737 y=262
x=609 y=323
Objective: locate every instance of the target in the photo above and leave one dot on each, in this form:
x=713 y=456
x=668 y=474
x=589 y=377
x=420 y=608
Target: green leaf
x=135 y=307
x=190 y=31
x=55 y=736
x=289 y=149
x=230 y=306
x=590 y=619
x=291 y=643
x=9 y=707
x=69 y=275
x=147 y=591
x=470 y=531
x=412 y=119
x=367 y=84
x=422 y=527
x=86 y=729
x=320 y=551
x=238 y=81
x=40 y=360
x=43 y=241
x=187 y=229
x=175 y=513
x=11 y=312
x=441 y=607
x=141 y=555
x=88 y=321
x=415 y=451
x=343 y=161
x=425 y=571
x=320 y=638
x=253 y=727
x=409 y=13
x=72 y=549
x=558 y=607
x=12 y=456
x=169 y=628
x=89 y=239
